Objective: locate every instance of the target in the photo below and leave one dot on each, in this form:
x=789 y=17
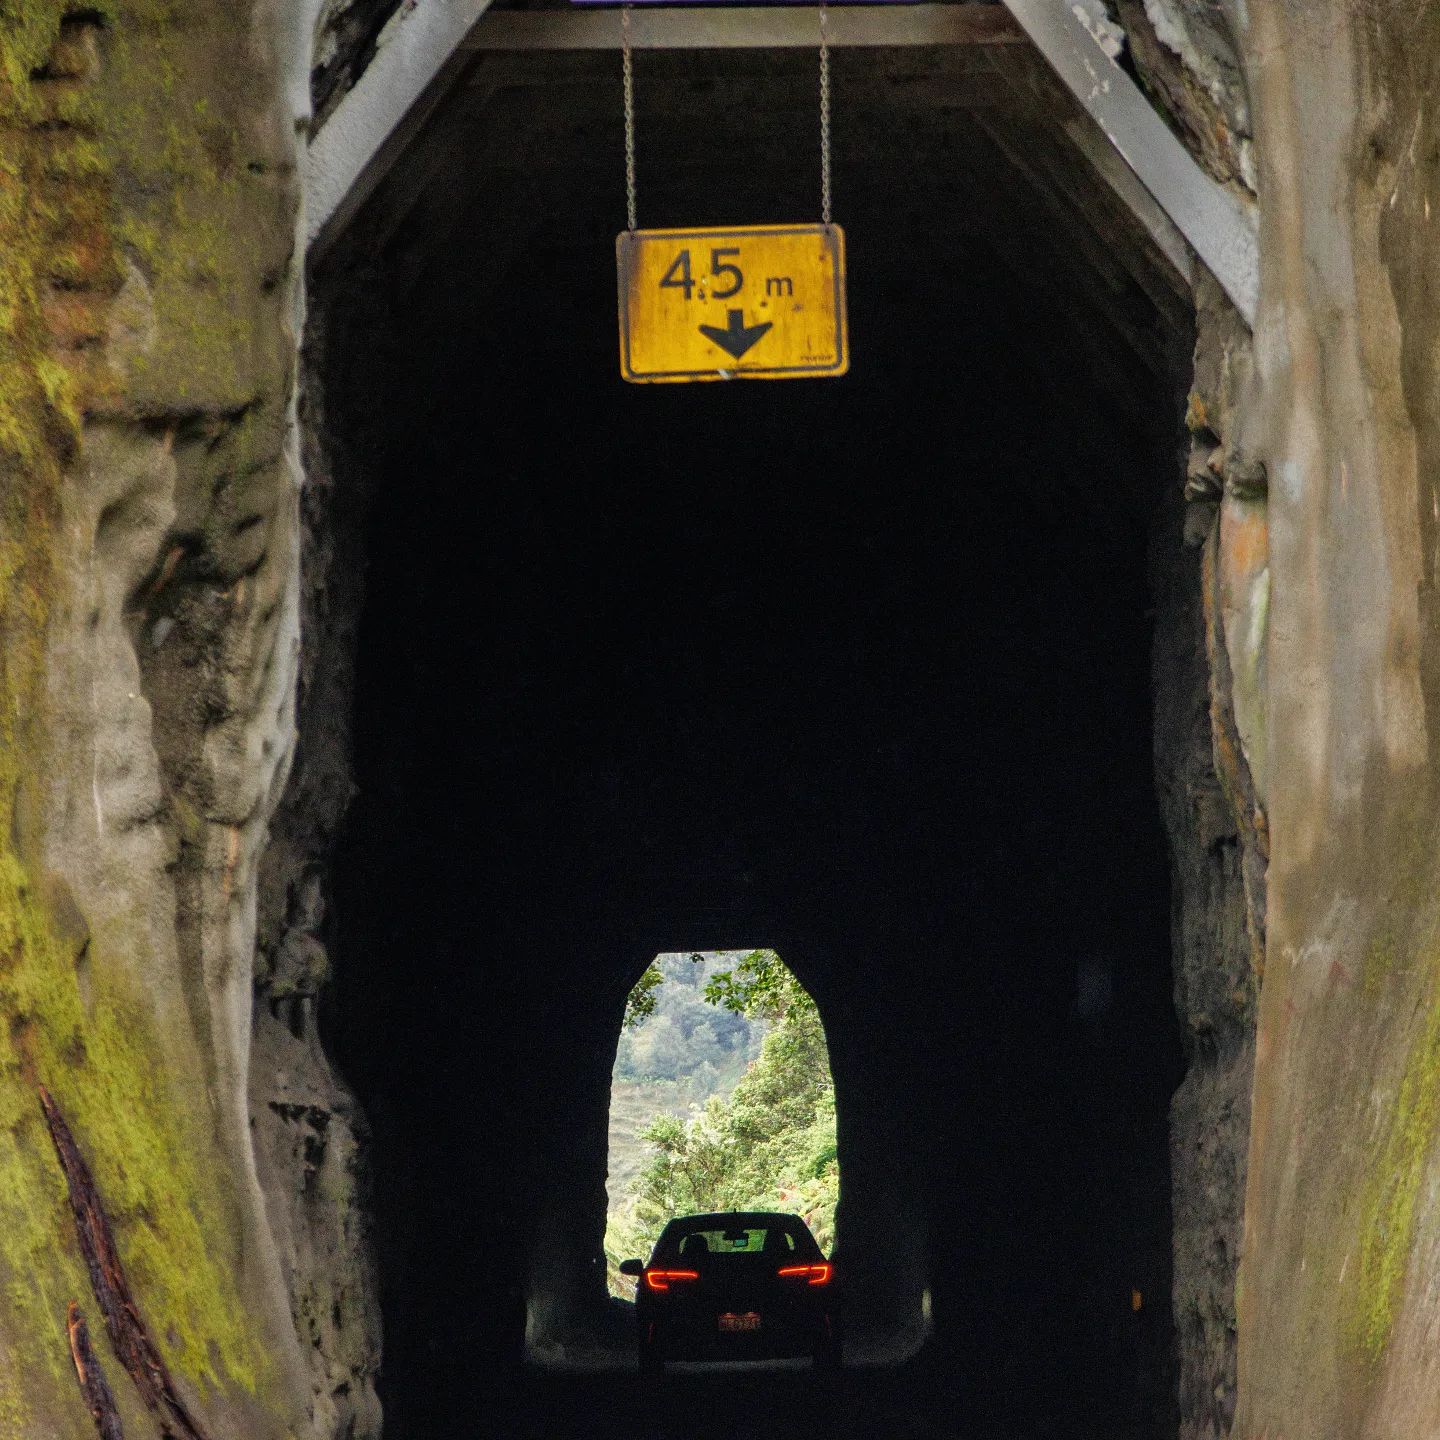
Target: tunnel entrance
x=862 y=666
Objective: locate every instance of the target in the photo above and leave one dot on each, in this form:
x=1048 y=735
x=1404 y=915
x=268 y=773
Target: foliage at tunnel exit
x=768 y=1143
x=641 y=1001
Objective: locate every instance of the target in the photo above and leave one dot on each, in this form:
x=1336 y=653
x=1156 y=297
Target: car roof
x=734 y=1219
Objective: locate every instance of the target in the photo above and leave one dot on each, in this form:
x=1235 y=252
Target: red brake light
x=813 y=1274
x=659 y=1280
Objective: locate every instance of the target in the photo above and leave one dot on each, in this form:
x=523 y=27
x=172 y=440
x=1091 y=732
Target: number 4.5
x=678 y=276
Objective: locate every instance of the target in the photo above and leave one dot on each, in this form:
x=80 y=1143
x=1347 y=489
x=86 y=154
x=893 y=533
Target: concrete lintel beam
x=1220 y=226
x=424 y=46
x=379 y=116
x=1142 y=205
x=427 y=44
x=746 y=27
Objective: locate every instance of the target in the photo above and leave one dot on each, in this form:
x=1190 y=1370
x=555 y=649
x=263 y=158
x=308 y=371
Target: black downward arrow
x=737 y=337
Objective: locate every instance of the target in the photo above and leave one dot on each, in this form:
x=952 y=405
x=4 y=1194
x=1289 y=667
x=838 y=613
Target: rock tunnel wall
x=1210 y=731
x=1217 y=877
x=1339 y=1273
x=149 y=467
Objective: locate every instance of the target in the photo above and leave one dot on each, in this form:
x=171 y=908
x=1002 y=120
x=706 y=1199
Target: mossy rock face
x=1391 y=1190
x=1342 y=1262
x=146 y=239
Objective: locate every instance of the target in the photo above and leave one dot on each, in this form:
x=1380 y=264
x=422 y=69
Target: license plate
x=731 y=1323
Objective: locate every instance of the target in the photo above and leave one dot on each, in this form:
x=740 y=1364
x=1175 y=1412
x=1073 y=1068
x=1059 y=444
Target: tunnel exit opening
x=861 y=666
x=721 y=1099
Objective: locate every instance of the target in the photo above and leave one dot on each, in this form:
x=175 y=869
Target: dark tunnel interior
x=856 y=668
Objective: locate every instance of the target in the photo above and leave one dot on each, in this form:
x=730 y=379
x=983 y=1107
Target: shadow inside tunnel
x=861 y=666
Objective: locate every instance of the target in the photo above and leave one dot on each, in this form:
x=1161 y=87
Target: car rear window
x=749 y=1241
x=749 y=1237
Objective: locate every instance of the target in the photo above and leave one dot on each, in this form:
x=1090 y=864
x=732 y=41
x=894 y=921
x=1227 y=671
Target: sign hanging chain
x=824 y=114
x=627 y=73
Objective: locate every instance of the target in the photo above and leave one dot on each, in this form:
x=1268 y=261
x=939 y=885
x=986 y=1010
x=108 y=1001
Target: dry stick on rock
x=99 y=1399
x=128 y=1336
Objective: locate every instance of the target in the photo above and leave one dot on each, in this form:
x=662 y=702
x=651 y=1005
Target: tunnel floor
x=857 y=669
x=749 y=1405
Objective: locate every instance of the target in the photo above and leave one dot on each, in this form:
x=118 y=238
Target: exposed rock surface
x=1340 y=1278
x=1210 y=734
x=148 y=474
x=1217 y=869
x=346 y=35
x=310 y=1135
x=1185 y=53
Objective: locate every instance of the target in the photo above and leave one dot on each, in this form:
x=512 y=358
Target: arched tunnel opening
x=722 y=1099
x=865 y=667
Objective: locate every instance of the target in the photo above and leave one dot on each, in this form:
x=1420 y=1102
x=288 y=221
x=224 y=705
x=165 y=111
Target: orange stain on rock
x=1244 y=540
x=232 y=859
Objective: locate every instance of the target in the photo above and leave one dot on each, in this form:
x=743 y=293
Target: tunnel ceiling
x=988 y=123
x=995 y=281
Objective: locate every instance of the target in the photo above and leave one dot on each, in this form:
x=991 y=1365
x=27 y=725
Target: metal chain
x=627 y=72
x=824 y=114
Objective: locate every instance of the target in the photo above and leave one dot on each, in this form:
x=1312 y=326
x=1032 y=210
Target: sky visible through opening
x=721 y=1099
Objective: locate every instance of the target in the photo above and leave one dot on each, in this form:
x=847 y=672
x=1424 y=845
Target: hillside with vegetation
x=722 y=1099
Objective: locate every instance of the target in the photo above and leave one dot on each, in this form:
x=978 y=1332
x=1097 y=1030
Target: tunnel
x=877 y=671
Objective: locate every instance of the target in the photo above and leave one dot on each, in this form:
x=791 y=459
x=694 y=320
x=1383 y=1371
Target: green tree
x=760 y=986
x=641 y=1001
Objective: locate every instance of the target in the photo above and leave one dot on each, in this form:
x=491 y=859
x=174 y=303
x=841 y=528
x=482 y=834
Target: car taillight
x=811 y=1274
x=659 y=1280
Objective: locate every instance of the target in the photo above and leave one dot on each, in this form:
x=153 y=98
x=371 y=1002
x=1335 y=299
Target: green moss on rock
x=128 y=1083
x=1395 y=1175
x=151 y=1149
x=35 y=438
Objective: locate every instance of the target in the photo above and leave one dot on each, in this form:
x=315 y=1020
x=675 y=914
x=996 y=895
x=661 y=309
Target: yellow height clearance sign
x=757 y=302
